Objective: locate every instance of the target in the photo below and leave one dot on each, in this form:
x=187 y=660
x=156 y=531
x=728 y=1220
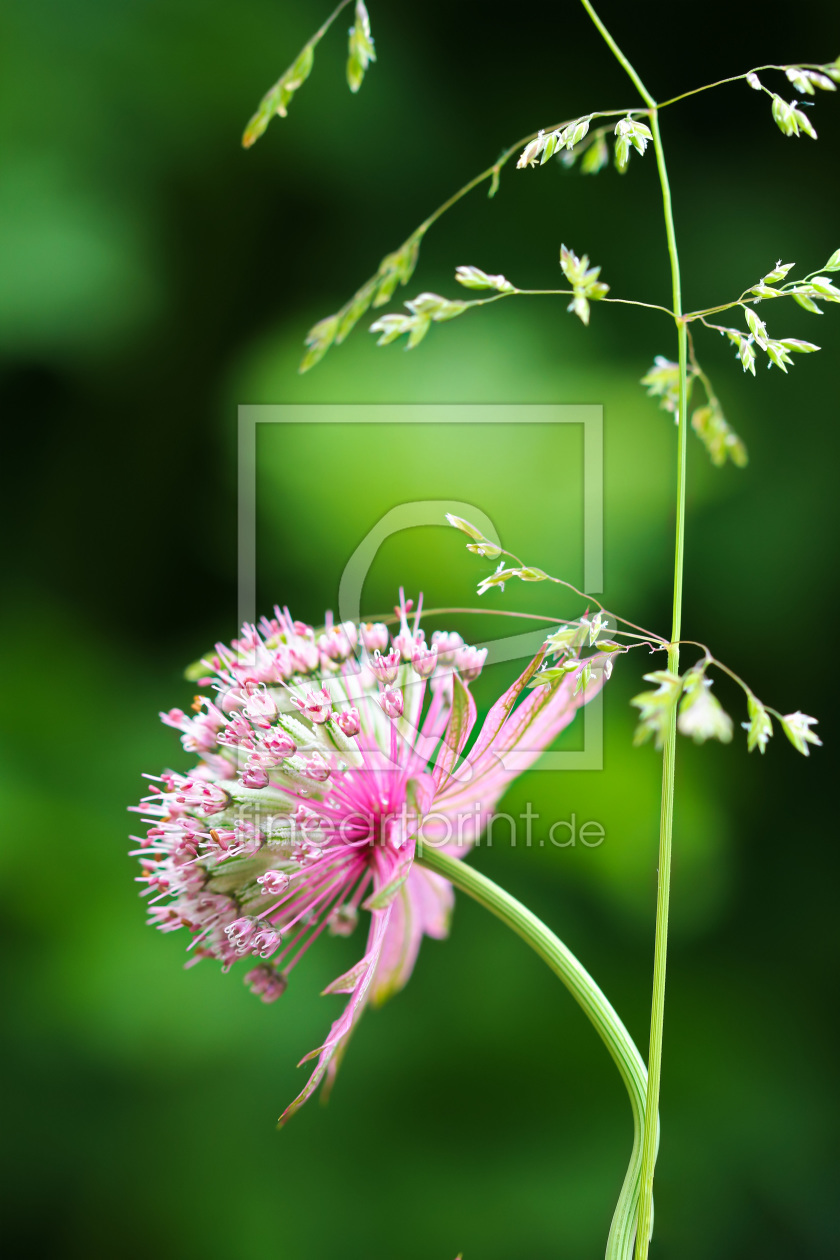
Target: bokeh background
x=155 y=275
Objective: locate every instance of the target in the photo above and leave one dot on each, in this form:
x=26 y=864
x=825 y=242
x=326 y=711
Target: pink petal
x=423 y=908
x=516 y=742
x=461 y=722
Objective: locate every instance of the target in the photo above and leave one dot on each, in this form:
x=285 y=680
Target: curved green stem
x=594 y=1005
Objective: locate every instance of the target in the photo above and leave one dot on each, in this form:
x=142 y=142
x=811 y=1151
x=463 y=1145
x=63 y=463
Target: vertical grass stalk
x=666 y=819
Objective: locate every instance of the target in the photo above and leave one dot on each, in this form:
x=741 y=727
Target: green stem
x=591 y=1000
x=619 y=56
x=666 y=818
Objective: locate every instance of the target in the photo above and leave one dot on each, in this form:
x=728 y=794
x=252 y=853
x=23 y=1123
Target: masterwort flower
x=323 y=758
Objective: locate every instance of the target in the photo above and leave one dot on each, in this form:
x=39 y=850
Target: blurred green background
x=154 y=277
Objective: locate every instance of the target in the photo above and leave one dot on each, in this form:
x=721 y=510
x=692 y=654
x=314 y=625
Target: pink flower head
x=332 y=832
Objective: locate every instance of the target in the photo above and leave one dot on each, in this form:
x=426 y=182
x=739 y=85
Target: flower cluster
x=323 y=758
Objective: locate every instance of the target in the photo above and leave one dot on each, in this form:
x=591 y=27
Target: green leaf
x=833 y=263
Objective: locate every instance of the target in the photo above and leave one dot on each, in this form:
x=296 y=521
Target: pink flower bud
x=316 y=768
x=335 y=644
x=175 y=717
x=392 y=702
x=470 y=662
x=447 y=643
x=283 y=663
x=385 y=668
x=342 y=920
x=407 y=643
x=348 y=721
x=277 y=747
x=316 y=705
x=253 y=776
x=260 y=706
x=424 y=660
x=374 y=636
x=237 y=733
x=273 y=883
x=351 y=634
x=206 y=797
x=240 y=933
x=265 y=942
x=304 y=653
x=266 y=983
x=307 y=818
